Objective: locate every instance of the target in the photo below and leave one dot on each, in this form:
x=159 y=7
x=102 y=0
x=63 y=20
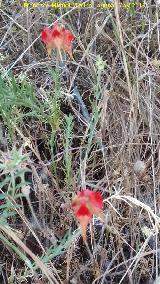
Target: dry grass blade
x=38 y=262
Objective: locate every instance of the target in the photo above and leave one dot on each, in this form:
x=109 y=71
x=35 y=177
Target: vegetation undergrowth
x=89 y=120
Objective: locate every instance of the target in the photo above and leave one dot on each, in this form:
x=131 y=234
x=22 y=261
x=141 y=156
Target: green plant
x=68 y=136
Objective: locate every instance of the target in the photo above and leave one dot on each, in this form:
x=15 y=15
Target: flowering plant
x=58 y=37
x=85 y=204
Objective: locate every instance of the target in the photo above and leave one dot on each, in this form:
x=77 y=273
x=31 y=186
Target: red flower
x=58 y=37
x=85 y=204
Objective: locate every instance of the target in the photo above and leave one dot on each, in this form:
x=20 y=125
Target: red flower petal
x=83 y=211
x=95 y=198
x=46 y=36
x=56 y=31
x=68 y=37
